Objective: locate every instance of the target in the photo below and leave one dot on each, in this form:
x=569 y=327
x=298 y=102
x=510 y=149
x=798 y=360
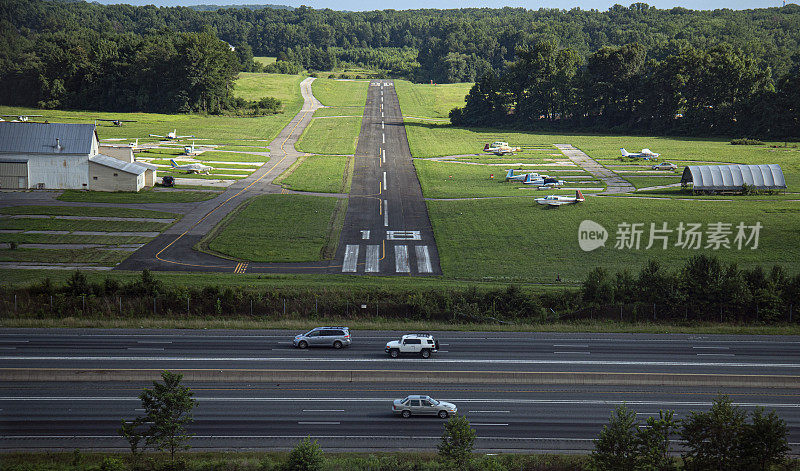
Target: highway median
x=399 y=376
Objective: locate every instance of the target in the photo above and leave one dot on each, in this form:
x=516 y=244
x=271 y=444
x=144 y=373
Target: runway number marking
x=401 y=259
x=350 y=259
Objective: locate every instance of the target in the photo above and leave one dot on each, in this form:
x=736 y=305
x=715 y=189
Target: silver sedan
x=422 y=405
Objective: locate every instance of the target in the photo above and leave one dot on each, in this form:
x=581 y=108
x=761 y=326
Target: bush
x=458 y=439
x=746 y=142
x=306 y=456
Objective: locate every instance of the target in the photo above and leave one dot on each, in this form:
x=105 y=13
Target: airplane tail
x=486 y=148
x=624 y=152
x=172 y=161
x=579 y=196
x=510 y=174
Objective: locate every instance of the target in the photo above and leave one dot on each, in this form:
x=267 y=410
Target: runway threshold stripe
x=423 y=259
x=372 y=265
x=401 y=259
x=350 y=259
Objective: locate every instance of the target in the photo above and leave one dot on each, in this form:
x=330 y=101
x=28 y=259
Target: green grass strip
x=142 y=197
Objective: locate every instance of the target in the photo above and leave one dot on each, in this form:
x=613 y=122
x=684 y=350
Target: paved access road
x=355 y=417
x=386 y=229
x=460 y=351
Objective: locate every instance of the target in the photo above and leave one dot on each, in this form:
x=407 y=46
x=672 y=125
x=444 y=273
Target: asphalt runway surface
x=386 y=229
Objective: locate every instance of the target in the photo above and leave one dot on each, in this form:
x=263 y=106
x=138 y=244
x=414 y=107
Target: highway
x=55 y=412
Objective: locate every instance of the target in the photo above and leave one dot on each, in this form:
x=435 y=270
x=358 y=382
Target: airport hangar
x=733 y=178
x=58 y=156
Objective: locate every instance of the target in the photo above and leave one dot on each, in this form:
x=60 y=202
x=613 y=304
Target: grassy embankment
x=329 y=134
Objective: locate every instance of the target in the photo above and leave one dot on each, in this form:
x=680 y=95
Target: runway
x=386 y=229
x=347 y=415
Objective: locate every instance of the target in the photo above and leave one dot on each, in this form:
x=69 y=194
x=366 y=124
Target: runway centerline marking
x=384 y=180
x=385 y=213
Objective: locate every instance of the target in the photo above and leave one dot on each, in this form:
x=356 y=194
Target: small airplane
x=551 y=183
x=558 y=200
x=22 y=118
x=500 y=148
x=190 y=150
x=115 y=122
x=645 y=154
x=170 y=135
x=192 y=168
x=510 y=177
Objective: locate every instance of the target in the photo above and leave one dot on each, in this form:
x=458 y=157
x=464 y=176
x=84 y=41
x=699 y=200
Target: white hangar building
x=67 y=156
x=732 y=178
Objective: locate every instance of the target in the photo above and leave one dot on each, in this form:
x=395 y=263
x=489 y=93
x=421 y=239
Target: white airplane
x=558 y=200
x=645 y=154
x=192 y=168
x=170 y=135
x=500 y=148
x=510 y=177
x=189 y=150
x=20 y=117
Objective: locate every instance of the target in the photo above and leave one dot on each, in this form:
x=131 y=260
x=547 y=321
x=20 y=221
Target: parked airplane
x=20 y=117
x=500 y=148
x=189 y=150
x=558 y=200
x=510 y=177
x=645 y=154
x=115 y=122
x=192 y=168
x=170 y=135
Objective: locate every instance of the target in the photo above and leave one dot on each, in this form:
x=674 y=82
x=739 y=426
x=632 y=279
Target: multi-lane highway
x=386 y=228
x=58 y=410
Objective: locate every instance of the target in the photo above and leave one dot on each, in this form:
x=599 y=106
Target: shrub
x=306 y=456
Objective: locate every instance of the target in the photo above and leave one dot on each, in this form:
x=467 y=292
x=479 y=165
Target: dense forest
x=52 y=50
x=716 y=91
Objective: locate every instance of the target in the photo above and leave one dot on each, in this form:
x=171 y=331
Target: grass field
x=93 y=256
x=319 y=173
x=244 y=148
x=142 y=197
x=255 y=86
x=230 y=157
x=276 y=228
x=86 y=211
x=265 y=60
x=430 y=101
x=341 y=93
x=445 y=180
x=80 y=225
x=516 y=239
x=351 y=111
x=644 y=182
x=334 y=136
x=214 y=175
x=71 y=239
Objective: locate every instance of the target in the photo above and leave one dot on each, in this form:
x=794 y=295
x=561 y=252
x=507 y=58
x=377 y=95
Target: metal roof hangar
x=731 y=178
x=66 y=156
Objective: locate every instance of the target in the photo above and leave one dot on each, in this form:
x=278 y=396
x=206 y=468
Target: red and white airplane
x=558 y=200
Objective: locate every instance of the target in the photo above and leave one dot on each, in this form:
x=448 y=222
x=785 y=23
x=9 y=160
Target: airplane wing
x=156 y=135
x=182 y=137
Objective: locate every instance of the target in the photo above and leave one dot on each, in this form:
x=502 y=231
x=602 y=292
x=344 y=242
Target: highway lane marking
x=423 y=260
x=372 y=263
x=318 y=423
x=401 y=259
x=154 y=341
x=712 y=348
x=146 y=348
x=350 y=259
x=323 y=410
x=580 y=402
x=385 y=213
x=384 y=181
x=571 y=353
x=570 y=346
x=489 y=425
x=384 y=155
x=383 y=137
x=382 y=126
x=715 y=354
x=410 y=360
x=382 y=115
x=489 y=411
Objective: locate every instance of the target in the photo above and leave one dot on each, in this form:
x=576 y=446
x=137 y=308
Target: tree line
x=720 y=90
x=449 y=45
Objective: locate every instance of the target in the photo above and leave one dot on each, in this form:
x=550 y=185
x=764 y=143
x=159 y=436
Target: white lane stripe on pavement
x=318 y=423
x=350 y=259
x=384 y=181
x=323 y=410
x=385 y=213
x=401 y=259
x=383 y=137
x=423 y=259
x=717 y=364
x=365 y=235
x=372 y=263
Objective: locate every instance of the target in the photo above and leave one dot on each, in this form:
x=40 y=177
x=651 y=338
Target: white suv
x=420 y=344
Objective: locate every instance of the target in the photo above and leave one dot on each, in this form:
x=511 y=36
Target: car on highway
x=336 y=337
x=665 y=166
x=413 y=344
x=422 y=405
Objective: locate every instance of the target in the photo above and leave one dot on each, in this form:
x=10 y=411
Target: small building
x=733 y=178
x=67 y=156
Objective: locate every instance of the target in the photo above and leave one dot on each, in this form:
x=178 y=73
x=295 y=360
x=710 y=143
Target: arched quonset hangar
x=714 y=178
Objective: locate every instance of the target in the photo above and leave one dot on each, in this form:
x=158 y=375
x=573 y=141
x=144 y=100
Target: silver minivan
x=336 y=337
